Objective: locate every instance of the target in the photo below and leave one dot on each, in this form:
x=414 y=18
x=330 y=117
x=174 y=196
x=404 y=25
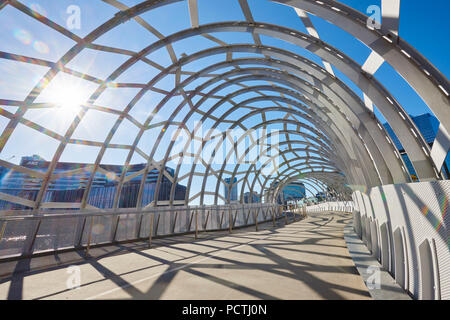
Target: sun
x=67 y=96
x=63 y=98
x=66 y=92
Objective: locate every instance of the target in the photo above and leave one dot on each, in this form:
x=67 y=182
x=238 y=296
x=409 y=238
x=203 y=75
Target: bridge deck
x=303 y=260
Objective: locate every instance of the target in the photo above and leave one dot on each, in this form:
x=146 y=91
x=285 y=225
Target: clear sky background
x=424 y=24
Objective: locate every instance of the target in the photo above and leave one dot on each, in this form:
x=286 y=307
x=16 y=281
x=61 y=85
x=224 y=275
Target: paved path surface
x=302 y=260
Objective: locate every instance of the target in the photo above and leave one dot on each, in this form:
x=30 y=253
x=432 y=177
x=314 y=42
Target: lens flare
x=40 y=47
x=98 y=229
x=437 y=223
x=444 y=209
x=111 y=176
x=23 y=36
x=39 y=11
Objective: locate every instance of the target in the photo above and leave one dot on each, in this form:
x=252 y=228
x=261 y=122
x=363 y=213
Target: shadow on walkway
x=302 y=260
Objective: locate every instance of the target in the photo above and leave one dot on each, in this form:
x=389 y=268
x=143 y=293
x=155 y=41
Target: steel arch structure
x=329 y=136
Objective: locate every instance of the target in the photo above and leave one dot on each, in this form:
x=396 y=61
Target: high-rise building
x=69 y=181
x=428 y=126
x=251 y=197
x=321 y=196
x=234 y=192
x=294 y=191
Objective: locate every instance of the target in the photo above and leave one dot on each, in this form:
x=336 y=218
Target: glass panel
x=126 y=230
x=55 y=234
x=101 y=230
x=14 y=237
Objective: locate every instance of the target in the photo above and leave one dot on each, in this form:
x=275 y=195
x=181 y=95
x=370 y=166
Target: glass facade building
x=234 y=189
x=428 y=125
x=294 y=191
x=251 y=197
x=321 y=196
x=69 y=181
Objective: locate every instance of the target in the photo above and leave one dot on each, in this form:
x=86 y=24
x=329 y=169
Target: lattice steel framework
x=332 y=138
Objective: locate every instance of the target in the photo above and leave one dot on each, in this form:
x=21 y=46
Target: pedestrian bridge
x=304 y=259
x=158 y=143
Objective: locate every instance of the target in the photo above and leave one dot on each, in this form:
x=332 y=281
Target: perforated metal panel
x=421 y=211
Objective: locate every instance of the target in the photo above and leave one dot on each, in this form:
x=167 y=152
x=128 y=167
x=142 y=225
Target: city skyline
x=71 y=187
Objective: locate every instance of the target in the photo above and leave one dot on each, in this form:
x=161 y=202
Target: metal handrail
x=121 y=211
x=86 y=220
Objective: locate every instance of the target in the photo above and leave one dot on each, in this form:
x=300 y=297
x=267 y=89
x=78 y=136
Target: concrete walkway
x=302 y=260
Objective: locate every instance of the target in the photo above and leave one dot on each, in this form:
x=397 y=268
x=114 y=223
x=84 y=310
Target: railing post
x=90 y=235
x=29 y=240
x=79 y=233
x=29 y=249
x=157 y=224
x=206 y=220
x=116 y=227
x=196 y=223
x=256 y=219
x=2 y=230
x=152 y=217
x=114 y=224
x=273 y=215
x=248 y=215
x=285 y=216
x=191 y=218
x=221 y=219
x=139 y=225
x=230 y=216
x=174 y=221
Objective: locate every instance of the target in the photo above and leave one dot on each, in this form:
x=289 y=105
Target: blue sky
x=424 y=26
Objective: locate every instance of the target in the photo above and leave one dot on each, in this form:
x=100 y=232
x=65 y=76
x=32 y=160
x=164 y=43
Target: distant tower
x=234 y=191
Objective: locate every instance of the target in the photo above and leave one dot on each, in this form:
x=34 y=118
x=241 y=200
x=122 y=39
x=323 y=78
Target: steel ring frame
x=415 y=152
